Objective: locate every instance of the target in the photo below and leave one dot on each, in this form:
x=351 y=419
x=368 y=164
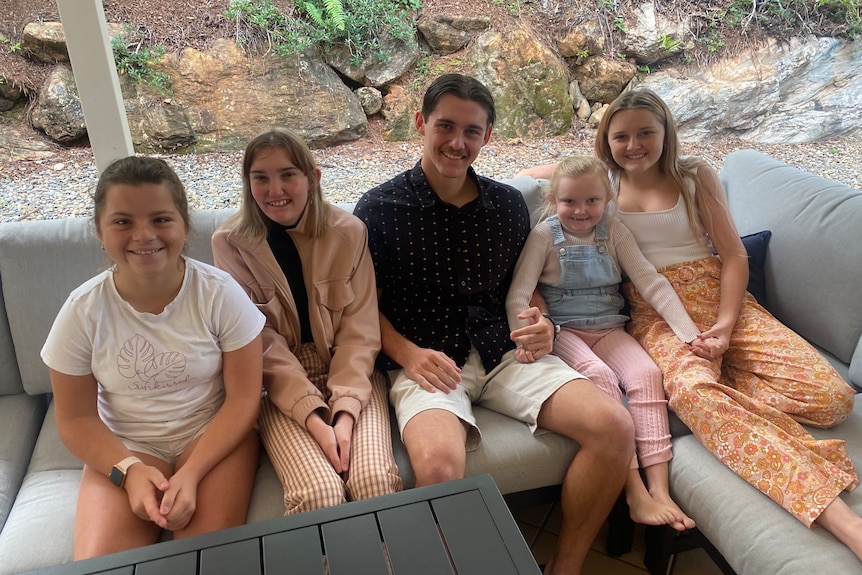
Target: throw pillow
x=756 y=245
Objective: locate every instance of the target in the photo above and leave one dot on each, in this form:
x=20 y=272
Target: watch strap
x=118 y=472
x=555 y=324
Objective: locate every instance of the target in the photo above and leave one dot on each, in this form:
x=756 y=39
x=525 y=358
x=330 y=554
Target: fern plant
x=332 y=15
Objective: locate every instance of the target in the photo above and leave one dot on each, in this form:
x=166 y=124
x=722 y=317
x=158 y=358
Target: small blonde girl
x=575 y=259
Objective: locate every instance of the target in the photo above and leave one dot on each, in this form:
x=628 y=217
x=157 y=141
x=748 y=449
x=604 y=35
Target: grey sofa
x=812 y=272
x=809 y=273
x=40 y=263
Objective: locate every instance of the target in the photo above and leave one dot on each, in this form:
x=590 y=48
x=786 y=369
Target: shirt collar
x=426 y=196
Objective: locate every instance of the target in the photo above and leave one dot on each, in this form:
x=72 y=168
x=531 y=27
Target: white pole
x=96 y=78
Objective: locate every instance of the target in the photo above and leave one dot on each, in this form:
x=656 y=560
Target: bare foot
x=682 y=521
x=840 y=520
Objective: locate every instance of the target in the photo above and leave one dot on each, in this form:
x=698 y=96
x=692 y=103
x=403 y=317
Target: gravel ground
x=61 y=186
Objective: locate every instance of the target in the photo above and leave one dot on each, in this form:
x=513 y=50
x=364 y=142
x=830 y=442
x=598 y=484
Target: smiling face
x=580 y=201
x=453 y=135
x=279 y=188
x=142 y=231
x=636 y=140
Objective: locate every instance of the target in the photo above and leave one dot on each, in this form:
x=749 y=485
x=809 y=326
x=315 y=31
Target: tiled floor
x=540 y=525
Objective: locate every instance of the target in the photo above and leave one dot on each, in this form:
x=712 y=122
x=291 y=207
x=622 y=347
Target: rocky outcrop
x=59 y=113
x=804 y=90
x=528 y=81
x=46 y=41
x=447 y=33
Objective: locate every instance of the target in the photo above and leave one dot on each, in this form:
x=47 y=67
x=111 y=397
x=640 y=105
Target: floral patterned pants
x=747 y=406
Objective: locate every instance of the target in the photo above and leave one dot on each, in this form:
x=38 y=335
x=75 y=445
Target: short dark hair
x=137 y=170
x=464 y=87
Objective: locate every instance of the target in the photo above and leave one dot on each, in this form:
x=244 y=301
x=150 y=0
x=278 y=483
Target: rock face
x=59 y=113
x=447 y=33
x=227 y=99
x=529 y=84
x=46 y=41
x=804 y=90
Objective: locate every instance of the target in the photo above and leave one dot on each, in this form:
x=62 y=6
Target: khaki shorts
x=512 y=388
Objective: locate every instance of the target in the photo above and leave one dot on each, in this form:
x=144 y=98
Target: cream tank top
x=665 y=236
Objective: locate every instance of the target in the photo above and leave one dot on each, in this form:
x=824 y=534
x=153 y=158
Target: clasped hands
x=335 y=439
x=170 y=504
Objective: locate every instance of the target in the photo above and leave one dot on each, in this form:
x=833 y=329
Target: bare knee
x=612 y=432
x=437 y=466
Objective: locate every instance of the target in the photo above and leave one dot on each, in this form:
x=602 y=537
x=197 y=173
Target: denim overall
x=587 y=296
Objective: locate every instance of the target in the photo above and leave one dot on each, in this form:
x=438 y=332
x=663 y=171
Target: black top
x=287 y=256
x=444 y=271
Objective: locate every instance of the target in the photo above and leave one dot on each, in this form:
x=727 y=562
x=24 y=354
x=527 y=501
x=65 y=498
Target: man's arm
x=429 y=368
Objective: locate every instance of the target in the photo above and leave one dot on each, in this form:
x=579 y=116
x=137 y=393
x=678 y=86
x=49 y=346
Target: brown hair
x=461 y=86
x=137 y=170
x=249 y=221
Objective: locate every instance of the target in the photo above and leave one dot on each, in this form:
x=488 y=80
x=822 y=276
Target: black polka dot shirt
x=444 y=271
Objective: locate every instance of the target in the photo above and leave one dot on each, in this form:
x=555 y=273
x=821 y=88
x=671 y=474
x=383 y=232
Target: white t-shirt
x=159 y=374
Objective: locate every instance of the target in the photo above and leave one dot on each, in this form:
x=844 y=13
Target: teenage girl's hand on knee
x=710 y=346
x=324 y=434
x=344 y=439
x=180 y=500
x=145 y=486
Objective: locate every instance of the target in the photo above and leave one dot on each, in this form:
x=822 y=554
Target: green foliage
x=839 y=18
x=670 y=44
x=131 y=57
x=643 y=69
x=358 y=24
x=513 y=7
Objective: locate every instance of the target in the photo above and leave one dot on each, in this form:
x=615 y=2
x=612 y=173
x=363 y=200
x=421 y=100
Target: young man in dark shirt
x=444 y=241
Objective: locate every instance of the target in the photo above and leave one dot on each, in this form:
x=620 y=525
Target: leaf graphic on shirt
x=166 y=367
x=134 y=356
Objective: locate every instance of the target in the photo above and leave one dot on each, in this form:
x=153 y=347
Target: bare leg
x=435 y=440
x=604 y=430
x=104 y=521
x=224 y=493
x=654 y=507
x=840 y=520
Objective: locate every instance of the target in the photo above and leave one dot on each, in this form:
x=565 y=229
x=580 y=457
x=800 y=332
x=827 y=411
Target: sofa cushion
x=20 y=418
x=752 y=532
x=811 y=288
x=10 y=378
x=756 y=245
x=38 y=532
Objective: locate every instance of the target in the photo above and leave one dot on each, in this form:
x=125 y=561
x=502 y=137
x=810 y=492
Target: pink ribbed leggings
x=613 y=360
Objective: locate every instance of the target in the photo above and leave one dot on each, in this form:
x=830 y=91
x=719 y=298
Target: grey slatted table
x=456 y=528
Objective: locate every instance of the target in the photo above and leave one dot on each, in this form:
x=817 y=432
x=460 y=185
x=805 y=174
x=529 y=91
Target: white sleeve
x=237 y=319
x=69 y=346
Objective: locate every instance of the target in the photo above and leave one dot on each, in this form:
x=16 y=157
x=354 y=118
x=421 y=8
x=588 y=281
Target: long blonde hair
x=670 y=163
x=576 y=167
x=249 y=221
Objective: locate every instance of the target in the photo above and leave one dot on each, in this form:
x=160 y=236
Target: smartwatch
x=118 y=473
x=555 y=324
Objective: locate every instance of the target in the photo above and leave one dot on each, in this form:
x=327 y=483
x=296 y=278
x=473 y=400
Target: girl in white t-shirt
x=156 y=372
